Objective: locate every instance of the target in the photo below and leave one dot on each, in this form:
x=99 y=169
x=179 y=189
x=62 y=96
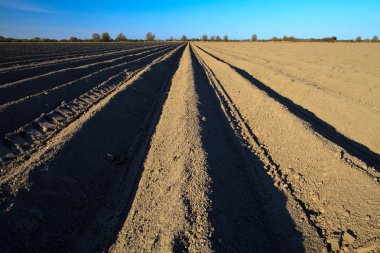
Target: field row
x=50 y=101
x=176 y=147
x=16 y=54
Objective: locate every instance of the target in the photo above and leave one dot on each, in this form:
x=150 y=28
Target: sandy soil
x=304 y=163
x=204 y=147
x=339 y=82
x=170 y=207
x=53 y=188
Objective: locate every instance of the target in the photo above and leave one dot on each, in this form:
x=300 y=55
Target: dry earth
x=203 y=147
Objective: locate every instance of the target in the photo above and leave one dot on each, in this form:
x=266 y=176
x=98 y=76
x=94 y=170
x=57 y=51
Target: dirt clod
x=349 y=237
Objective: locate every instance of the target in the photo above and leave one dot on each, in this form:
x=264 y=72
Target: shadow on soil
x=25 y=111
x=318 y=125
x=248 y=213
x=67 y=192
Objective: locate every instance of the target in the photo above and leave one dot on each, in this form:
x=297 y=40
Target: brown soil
x=205 y=147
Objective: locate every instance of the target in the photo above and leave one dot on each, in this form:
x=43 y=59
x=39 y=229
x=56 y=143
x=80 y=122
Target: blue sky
x=59 y=19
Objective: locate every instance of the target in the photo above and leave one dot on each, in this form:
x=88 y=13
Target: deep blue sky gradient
x=59 y=19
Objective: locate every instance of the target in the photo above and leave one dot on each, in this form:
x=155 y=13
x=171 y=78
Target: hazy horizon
x=238 y=19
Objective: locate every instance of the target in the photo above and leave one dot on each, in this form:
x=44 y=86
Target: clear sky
x=59 y=19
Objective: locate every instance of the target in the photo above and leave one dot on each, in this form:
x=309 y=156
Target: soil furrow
x=50 y=57
x=102 y=231
x=18 y=145
x=168 y=212
x=196 y=147
x=195 y=193
x=37 y=59
x=30 y=86
x=276 y=67
x=326 y=130
x=314 y=172
x=261 y=160
x=18 y=74
x=25 y=110
x=248 y=213
x=59 y=191
x=326 y=86
x=21 y=51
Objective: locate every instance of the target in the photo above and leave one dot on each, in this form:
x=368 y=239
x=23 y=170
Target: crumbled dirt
x=203 y=147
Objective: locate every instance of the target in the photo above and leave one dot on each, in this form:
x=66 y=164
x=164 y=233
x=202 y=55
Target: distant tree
x=253 y=37
x=375 y=38
x=212 y=38
x=183 y=38
x=121 y=37
x=204 y=37
x=106 y=37
x=328 y=39
x=358 y=39
x=171 y=38
x=217 y=38
x=36 y=39
x=150 y=36
x=225 y=37
x=95 y=37
x=291 y=38
x=275 y=38
x=73 y=39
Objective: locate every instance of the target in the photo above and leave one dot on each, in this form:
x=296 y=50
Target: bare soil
x=198 y=147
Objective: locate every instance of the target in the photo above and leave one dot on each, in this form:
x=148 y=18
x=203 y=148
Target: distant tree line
x=105 y=37
x=217 y=38
x=375 y=38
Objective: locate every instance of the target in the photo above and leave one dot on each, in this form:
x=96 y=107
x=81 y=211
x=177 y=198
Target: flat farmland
x=189 y=147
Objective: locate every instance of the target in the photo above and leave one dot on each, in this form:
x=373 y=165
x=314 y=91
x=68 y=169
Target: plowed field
x=197 y=147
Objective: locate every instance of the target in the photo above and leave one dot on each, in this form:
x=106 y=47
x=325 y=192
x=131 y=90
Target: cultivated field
x=200 y=147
